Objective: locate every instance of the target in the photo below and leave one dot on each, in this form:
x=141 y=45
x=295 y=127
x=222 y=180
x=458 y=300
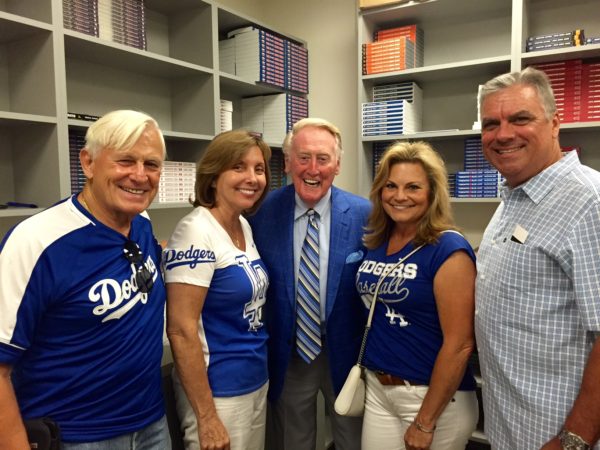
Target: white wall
x=329 y=28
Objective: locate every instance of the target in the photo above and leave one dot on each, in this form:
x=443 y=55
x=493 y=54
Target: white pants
x=389 y=411
x=243 y=416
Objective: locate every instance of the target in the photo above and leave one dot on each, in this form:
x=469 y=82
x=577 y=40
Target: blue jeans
x=154 y=437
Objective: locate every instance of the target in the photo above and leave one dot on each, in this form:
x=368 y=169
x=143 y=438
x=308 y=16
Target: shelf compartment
x=15 y=28
x=585 y=135
x=448 y=104
x=234 y=89
x=541 y=17
x=28 y=162
x=182 y=103
x=28 y=9
x=228 y=20
x=27 y=81
x=173 y=28
x=485 y=27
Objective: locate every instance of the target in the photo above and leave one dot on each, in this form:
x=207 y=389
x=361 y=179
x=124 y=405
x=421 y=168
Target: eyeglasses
x=143 y=277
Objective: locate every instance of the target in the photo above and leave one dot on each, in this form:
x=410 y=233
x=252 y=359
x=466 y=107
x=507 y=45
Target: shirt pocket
x=527 y=276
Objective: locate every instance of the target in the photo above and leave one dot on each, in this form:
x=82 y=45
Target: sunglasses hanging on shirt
x=143 y=277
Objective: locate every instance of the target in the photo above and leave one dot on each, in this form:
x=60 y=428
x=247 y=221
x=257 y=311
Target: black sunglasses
x=143 y=277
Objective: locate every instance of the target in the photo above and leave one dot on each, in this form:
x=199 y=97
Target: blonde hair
x=438 y=216
x=223 y=152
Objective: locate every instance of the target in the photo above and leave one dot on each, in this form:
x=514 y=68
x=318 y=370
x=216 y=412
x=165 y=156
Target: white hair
x=119 y=130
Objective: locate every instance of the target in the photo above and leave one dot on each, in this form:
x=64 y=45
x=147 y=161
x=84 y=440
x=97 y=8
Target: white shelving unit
x=466 y=44
x=47 y=70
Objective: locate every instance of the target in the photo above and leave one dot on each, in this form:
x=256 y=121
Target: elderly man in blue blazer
x=309 y=236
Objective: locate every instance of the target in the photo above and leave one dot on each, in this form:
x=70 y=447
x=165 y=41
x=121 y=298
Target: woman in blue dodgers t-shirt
x=216 y=289
x=420 y=393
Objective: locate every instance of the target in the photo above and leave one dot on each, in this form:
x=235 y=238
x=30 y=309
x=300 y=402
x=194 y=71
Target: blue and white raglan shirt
x=231 y=326
x=84 y=344
x=406 y=335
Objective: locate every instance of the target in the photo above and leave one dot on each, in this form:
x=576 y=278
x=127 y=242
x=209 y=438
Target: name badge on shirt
x=519 y=235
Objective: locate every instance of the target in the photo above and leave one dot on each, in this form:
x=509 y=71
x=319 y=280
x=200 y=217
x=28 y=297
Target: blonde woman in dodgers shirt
x=420 y=394
x=216 y=289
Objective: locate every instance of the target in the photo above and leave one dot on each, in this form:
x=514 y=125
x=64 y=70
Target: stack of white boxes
x=226 y=115
x=262 y=56
x=227 y=56
x=396 y=109
x=176 y=182
x=273 y=115
x=253 y=114
x=122 y=21
x=259 y=55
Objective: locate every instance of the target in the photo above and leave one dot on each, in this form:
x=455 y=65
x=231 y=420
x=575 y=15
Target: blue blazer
x=272 y=228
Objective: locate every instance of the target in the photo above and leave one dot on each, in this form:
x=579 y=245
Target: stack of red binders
x=576 y=87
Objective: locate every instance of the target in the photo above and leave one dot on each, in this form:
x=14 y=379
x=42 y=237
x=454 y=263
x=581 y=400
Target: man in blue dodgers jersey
x=312 y=157
x=82 y=301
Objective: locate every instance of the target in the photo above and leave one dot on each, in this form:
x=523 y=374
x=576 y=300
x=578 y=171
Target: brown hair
x=223 y=152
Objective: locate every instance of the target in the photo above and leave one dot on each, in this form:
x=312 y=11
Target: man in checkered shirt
x=537 y=316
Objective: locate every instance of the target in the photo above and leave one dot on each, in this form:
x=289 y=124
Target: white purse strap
x=382 y=277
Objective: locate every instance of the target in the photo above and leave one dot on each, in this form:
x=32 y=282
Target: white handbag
x=351 y=399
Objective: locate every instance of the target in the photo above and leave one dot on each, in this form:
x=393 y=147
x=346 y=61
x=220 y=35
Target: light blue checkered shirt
x=538 y=303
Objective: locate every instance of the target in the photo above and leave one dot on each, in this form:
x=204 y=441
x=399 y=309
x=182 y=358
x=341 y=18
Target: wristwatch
x=572 y=441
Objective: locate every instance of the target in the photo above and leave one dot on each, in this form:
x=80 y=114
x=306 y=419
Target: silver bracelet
x=420 y=427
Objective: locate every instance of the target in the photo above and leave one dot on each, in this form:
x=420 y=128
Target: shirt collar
x=320 y=207
x=541 y=184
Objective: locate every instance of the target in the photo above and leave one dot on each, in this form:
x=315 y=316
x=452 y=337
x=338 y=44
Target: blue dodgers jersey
x=85 y=344
x=231 y=326
x=406 y=335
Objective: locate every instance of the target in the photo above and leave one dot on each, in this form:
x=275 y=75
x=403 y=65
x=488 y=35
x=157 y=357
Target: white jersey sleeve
x=190 y=254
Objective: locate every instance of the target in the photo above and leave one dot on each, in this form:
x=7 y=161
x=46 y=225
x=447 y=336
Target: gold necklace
x=85 y=205
x=123 y=229
x=233 y=236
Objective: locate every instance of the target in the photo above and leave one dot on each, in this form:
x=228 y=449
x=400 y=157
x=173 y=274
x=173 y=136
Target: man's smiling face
x=313 y=163
x=517 y=136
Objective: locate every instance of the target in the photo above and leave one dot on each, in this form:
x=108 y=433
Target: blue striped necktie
x=308 y=310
